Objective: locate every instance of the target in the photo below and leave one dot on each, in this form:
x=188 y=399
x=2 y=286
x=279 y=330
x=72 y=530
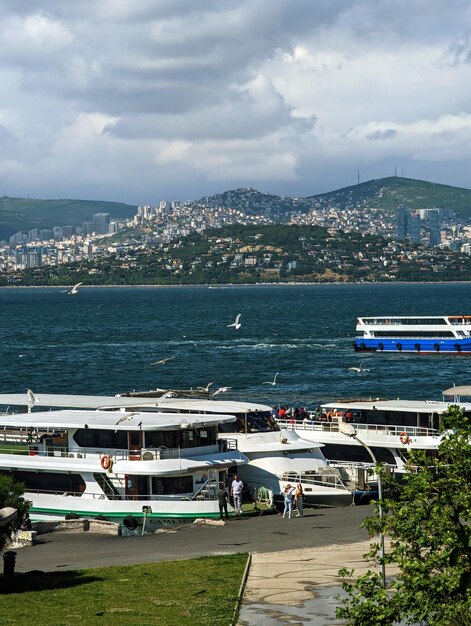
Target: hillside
x=385 y=194
x=25 y=213
x=240 y=254
x=389 y=193
x=256 y=202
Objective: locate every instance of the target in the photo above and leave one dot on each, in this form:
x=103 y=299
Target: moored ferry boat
x=390 y=429
x=447 y=334
x=271 y=457
x=131 y=467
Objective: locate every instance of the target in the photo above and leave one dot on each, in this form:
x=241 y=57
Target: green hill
x=389 y=193
x=25 y=213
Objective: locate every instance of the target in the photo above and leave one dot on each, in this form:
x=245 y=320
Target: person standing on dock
x=236 y=493
x=288 y=500
x=298 y=499
x=222 y=500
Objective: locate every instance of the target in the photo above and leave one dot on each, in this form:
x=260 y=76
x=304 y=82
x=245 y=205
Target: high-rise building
x=434 y=226
x=68 y=231
x=402 y=223
x=413 y=228
x=101 y=223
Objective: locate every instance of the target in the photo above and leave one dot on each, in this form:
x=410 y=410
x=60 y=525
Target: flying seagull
x=271 y=382
x=221 y=390
x=235 y=324
x=74 y=289
x=164 y=361
x=31 y=398
x=359 y=369
x=206 y=388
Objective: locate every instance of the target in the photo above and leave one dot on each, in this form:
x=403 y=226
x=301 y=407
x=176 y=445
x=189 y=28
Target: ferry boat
x=272 y=457
x=138 y=468
x=449 y=334
x=390 y=429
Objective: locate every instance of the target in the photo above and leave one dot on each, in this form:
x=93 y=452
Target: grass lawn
x=194 y=593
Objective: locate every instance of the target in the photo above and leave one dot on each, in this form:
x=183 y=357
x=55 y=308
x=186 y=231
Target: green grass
x=199 y=592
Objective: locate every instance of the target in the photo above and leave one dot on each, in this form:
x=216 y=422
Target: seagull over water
x=221 y=390
x=359 y=369
x=236 y=323
x=271 y=382
x=73 y=291
x=205 y=388
x=164 y=361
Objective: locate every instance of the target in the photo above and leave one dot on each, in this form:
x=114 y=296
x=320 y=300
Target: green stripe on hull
x=136 y=514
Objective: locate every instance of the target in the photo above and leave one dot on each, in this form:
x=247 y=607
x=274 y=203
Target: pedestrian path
x=298 y=586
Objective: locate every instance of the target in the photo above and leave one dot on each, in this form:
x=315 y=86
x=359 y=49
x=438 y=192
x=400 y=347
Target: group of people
x=300 y=414
x=292 y=496
x=237 y=487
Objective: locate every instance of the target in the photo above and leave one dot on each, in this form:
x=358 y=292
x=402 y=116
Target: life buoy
x=399 y=346
x=105 y=462
x=417 y=347
x=404 y=438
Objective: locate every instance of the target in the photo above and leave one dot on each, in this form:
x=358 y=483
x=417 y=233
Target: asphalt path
x=267 y=533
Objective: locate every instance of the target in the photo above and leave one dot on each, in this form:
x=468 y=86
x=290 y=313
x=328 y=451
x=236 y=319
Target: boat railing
x=143 y=454
x=334 y=427
x=324 y=477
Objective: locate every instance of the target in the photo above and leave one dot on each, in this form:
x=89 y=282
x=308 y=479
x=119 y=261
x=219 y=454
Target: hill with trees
x=26 y=213
x=389 y=193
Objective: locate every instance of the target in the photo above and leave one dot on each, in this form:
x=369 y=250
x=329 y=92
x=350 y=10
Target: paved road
x=319 y=527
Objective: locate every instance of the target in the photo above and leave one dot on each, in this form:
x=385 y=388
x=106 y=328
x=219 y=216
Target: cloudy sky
x=142 y=100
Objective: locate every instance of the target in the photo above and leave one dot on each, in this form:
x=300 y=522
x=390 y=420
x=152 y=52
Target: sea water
x=104 y=340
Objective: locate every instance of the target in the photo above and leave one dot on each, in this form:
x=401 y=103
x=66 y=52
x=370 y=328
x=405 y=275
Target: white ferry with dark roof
x=444 y=334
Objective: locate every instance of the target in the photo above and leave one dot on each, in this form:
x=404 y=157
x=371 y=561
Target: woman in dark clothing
x=222 y=499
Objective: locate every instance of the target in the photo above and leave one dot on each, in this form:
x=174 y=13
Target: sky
x=139 y=101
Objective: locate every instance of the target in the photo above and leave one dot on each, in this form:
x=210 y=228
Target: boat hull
x=45 y=507
x=414 y=345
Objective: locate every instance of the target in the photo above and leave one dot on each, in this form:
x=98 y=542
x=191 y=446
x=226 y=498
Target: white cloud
x=134 y=100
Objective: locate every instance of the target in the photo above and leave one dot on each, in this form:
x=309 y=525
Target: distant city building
x=101 y=223
x=434 y=226
x=68 y=231
x=402 y=223
x=57 y=232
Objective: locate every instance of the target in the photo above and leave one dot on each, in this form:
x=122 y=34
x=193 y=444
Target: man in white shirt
x=236 y=493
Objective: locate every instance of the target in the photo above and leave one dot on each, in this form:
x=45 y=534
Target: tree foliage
x=11 y=495
x=430 y=533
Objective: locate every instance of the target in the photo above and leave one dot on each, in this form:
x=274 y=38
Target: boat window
x=186 y=438
x=413 y=333
x=356 y=454
x=171 y=485
x=49 y=481
x=95 y=438
x=254 y=422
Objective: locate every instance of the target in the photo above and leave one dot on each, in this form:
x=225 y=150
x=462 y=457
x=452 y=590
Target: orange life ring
x=404 y=438
x=105 y=462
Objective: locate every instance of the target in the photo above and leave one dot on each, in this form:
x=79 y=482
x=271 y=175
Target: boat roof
x=116 y=402
x=403 y=406
x=210 y=406
x=410 y=317
x=462 y=390
x=111 y=420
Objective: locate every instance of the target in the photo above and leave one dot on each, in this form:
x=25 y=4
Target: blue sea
x=103 y=341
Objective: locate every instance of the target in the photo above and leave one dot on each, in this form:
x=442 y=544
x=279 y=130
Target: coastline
x=235 y=285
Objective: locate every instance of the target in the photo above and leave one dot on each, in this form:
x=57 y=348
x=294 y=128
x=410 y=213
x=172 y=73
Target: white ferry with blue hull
x=443 y=334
